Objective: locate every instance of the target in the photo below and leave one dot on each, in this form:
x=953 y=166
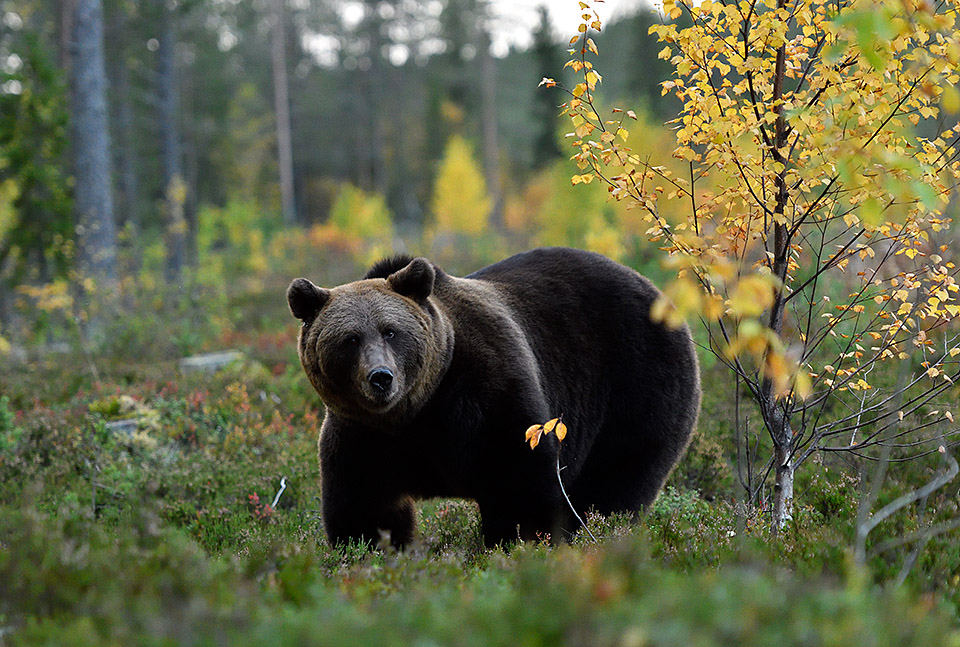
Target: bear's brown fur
x=429 y=382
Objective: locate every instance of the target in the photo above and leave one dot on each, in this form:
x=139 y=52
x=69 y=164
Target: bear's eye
x=352 y=340
x=389 y=333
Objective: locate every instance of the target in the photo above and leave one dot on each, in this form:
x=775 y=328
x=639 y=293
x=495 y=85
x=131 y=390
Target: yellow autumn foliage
x=792 y=156
x=460 y=203
x=361 y=214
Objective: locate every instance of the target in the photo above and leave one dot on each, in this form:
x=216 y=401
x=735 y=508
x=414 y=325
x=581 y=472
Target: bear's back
x=588 y=322
x=558 y=287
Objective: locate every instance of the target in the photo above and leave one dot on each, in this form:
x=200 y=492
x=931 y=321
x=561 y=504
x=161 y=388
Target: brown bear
x=431 y=380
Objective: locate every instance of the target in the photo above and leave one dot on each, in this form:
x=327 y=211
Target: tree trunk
x=782 y=512
x=376 y=81
x=66 y=14
x=129 y=185
x=775 y=414
x=93 y=198
x=128 y=218
x=491 y=145
x=191 y=168
x=362 y=146
x=281 y=99
x=778 y=419
x=174 y=186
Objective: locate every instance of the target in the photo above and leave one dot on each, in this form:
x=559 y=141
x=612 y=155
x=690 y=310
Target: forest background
x=159 y=190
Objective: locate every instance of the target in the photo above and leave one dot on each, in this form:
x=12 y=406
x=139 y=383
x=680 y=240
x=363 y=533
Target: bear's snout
x=380 y=379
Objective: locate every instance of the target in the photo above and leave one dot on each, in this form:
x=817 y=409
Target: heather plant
x=9 y=432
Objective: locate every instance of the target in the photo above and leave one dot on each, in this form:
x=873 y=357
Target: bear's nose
x=380 y=378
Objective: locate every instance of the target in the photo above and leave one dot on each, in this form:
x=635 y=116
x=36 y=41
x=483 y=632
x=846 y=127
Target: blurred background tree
x=278 y=106
x=36 y=222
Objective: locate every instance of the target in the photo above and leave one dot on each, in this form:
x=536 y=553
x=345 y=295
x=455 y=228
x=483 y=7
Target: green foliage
x=73 y=583
x=557 y=213
x=36 y=225
x=684 y=506
x=150 y=585
x=232 y=240
x=248 y=158
x=108 y=407
x=704 y=467
x=9 y=433
x=361 y=214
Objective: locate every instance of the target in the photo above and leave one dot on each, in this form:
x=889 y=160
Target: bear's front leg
x=544 y=520
x=523 y=501
x=367 y=521
x=361 y=497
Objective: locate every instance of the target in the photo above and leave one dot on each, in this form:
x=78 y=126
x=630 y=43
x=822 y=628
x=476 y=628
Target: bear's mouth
x=379 y=401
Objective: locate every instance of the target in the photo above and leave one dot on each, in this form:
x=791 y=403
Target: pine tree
x=547 y=57
x=33 y=138
x=93 y=197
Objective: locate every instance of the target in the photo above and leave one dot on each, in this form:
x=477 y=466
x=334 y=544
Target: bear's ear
x=306 y=299
x=415 y=280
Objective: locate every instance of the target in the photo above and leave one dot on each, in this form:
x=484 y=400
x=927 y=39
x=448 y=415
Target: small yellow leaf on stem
x=533 y=435
x=561 y=430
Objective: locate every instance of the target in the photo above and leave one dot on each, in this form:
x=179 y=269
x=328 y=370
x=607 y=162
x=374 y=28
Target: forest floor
x=139 y=505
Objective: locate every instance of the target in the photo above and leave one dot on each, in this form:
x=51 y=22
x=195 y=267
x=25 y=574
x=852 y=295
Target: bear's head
x=374 y=348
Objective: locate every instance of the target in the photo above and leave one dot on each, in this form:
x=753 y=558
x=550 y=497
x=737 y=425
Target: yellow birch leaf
x=561 y=431
x=950 y=99
x=751 y=296
x=803 y=387
x=533 y=435
x=713 y=307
